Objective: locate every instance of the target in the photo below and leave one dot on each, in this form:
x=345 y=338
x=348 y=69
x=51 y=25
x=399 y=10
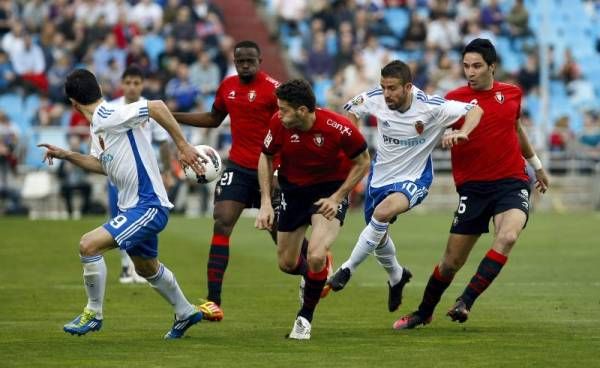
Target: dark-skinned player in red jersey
x=249 y=99
x=490 y=175
x=323 y=156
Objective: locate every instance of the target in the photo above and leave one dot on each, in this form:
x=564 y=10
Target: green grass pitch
x=542 y=311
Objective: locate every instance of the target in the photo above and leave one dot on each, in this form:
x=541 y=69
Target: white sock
x=125 y=260
x=166 y=285
x=386 y=256
x=368 y=240
x=94 y=279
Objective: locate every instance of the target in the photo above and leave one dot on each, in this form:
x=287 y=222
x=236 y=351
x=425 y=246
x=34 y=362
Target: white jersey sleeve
x=364 y=103
x=119 y=119
x=450 y=111
x=159 y=134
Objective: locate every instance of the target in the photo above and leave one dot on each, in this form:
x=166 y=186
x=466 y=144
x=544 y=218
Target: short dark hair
x=247 y=44
x=132 y=71
x=397 y=69
x=297 y=92
x=483 y=47
x=82 y=86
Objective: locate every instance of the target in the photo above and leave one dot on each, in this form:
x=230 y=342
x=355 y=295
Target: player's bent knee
x=508 y=238
x=87 y=247
x=287 y=265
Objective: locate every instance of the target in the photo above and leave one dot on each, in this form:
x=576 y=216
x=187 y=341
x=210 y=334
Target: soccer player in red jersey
x=491 y=181
x=323 y=156
x=249 y=99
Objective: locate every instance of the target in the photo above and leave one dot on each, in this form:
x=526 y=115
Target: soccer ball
x=213 y=166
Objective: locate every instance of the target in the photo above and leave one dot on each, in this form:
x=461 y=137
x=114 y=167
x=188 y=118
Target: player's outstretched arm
x=86 y=162
x=328 y=206
x=201 y=119
x=541 y=177
x=188 y=155
x=455 y=137
x=266 y=215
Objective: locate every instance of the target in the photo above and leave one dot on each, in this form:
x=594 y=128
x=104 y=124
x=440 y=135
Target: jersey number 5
x=462 y=206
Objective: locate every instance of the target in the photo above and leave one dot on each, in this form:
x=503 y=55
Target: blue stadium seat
x=397 y=19
x=154 y=45
x=320 y=88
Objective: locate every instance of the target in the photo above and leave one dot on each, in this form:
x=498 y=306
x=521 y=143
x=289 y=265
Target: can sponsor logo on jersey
x=403 y=142
x=419 y=127
x=499 y=97
x=340 y=127
x=319 y=139
x=231 y=95
x=251 y=95
x=386 y=123
x=295 y=138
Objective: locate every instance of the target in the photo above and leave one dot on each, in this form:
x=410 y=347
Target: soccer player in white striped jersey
x=132 y=83
x=120 y=151
x=409 y=125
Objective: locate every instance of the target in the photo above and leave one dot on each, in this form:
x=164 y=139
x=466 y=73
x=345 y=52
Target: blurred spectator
x=74 y=179
x=124 y=30
x=345 y=49
x=148 y=15
x=108 y=53
x=335 y=96
x=57 y=76
x=561 y=137
x=474 y=31
x=180 y=90
x=49 y=113
x=183 y=29
x=7 y=13
x=30 y=64
x=416 y=33
x=443 y=33
x=492 y=17
x=319 y=64
x=518 y=21
x=9 y=140
x=529 y=74
x=590 y=137
x=7 y=73
x=570 y=70
x=374 y=57
x=205 y=74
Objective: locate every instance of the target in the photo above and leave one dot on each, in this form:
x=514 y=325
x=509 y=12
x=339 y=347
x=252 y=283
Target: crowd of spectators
x=339 y=45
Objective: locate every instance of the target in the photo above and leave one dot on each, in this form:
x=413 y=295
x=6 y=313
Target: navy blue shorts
x=480 y=201
x=297 y=204
x=136 y=230
x=241 y=185
x=238 y=184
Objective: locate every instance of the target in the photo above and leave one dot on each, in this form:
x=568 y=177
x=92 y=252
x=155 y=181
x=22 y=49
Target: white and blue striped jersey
x=405 y=140
x=152 y=130
x=126 y=155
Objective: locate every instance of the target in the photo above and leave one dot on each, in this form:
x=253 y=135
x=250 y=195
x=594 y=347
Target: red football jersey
x=321 y=154
x=492 y=151
x=250 y=107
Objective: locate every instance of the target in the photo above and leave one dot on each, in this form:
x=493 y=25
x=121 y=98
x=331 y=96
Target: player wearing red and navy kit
x=489 y=173
x=249 y=100
x=323 y=156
